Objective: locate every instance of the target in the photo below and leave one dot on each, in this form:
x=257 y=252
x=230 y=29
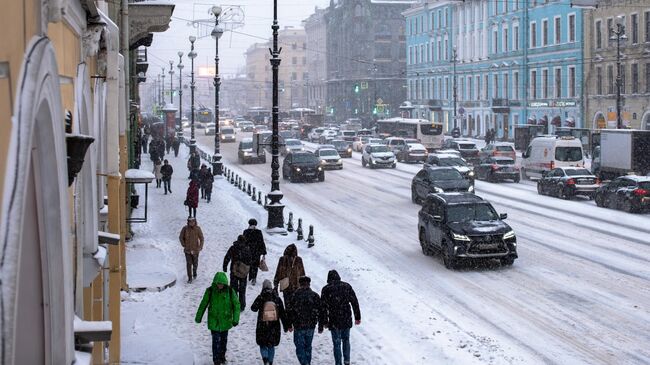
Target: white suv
x=315 y=133
x=378 y=155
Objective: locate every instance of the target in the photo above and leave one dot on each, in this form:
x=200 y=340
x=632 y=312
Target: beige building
x=600 y=68
x=316 y=38
x=258 y=74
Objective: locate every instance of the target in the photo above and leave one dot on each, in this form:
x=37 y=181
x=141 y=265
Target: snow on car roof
x=417 y=146
x=446 y=155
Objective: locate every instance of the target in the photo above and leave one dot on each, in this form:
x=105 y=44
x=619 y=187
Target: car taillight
x=597 y=181
x=495 y=167
x=640 y=192
x=552 y=165
x=571 y=182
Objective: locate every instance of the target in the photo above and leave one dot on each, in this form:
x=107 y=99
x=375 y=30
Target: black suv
x=630 y=193
x=344 y=148
x=438 y=180
x=302 y=165
x=464 y=226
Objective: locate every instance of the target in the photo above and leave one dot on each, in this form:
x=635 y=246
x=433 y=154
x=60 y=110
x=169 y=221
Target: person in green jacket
x=222 y=304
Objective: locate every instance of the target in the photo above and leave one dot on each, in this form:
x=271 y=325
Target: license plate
x=488 y=246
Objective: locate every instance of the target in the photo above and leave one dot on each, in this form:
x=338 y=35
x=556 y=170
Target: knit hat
x=267 y=284
x=304 y=280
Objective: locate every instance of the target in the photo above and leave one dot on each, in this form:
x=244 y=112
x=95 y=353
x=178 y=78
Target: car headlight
x=302 y=148
x=322 y=161
x=297 y=169
x=470 y=189
x=320 y=168
x=350 y=150
x=509 y=234
x=470 y=174
x=438 y=190
x=459 y=237
x=223 y=137
x=246 y=153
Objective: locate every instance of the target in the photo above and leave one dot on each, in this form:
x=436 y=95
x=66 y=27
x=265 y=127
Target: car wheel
x=321 y=177
x=394 y=165
x=507 y=261
x=517 y=179
x=363 y=162
x=628 y=207
x=448 y=259
x=561 y=193
x=423 y=243
x=414 y=196
x=599 y=200
x=540 y=189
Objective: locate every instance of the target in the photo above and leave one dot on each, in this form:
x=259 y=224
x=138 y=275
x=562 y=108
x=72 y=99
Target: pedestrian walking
x=192 y=240
x=270 y=315
x=305 y=313
x=223 y=314
x=176 y=144
x=157 y=173
x=192 y=198
x=337 y=297
x=289 y=270
x=207 y=182
x=168 y=142
x=239 y=258
x=203 y=176
x=193 y=165
x=255 y=241
x=167 y=170
x=144 y=141
x=153 y=150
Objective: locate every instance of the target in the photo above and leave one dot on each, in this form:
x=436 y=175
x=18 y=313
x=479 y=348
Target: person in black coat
x=256 y=243
x=338 y=296
x=305 y=312
x=267 y=332
x=238 y=253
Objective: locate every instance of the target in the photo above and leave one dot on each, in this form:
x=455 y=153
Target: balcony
x=500 y=105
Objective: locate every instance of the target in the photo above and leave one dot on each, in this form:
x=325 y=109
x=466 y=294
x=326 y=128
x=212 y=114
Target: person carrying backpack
x=223 y=314
x=270 y=314
x=255 y=241
x=239 y=258
x=289 y=270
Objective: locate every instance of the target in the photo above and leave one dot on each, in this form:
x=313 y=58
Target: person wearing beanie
x=270 y=315
x=338 y=296
x=289 y=270
x=255 y=241
x=305 y=313
x=239 y=258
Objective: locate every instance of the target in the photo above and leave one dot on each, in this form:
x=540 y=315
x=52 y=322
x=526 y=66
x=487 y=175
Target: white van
x=548 y=152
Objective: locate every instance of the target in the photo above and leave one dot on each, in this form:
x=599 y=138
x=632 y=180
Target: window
x=558 y=82
x=647 y=77
x=485 y=87
x=304 y=60
x=610 y=29
x=294 y=46
x=447 y=87
x=610 y=79
x=506 y=85
x=647 y=26
x=439 y=50
x=533 y=35
x=558 y=30
x=294 y=60
x=294 y=76
x=572 y=27
x=599 y=35
x=572 y=82
x=495 y=41
x=544 y=32
x=495 y=86
x=634 y=23
x=623 y=79
x=446 y=49
x=470 y=80
x=305 y=75
x=635 y=78
x=515 y=38
x=599 y=81
x=533 y=84
x=544 y=84
x=505 y=40
x=515 y=85
x=304 y=45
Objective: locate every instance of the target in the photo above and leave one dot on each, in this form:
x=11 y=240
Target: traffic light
x=356 y=88
x=374 y=110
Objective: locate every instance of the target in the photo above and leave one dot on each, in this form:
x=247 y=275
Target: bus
x=204 y=115
x=428 y=133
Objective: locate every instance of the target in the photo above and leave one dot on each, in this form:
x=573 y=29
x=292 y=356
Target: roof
x=458 y=198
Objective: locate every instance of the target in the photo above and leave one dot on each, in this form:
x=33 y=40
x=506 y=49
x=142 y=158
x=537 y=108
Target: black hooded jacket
x=337 y=297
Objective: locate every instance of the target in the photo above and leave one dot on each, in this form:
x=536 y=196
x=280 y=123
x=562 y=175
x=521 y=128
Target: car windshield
x=445 y=174
x=292 y=142
x=227 y=131
x=466 y=146
x=571 y=154
x=505 y=162
x=349 y=133
x=471 y=212
x=328 y=153
x=504 y=148
x=577 y=172
x=374 y=149
x=245 y=145
x=451 y=161
x=431 y=129
x=305 y=158
x=375 y=140
x=340 y=144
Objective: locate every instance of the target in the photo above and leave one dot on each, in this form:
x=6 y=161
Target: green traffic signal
x=356 y=88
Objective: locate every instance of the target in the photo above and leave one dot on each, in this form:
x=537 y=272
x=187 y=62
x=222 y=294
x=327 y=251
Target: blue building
x=516 y=63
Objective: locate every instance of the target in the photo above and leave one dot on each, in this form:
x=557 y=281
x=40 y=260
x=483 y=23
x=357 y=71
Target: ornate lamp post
x=171 y=82
x=192 y=56
x=217 y=32
x=275 y=207
x=180 y=94
x=618 y=36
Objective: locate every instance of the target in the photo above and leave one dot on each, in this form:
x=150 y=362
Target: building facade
x=601 y=72
x=316 y=38
x=516 y=63
x=366 y=51
x=258 y=73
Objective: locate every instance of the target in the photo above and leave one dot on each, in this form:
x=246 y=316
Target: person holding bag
x=270 y=315
x=290 y=269
x=256 y=243
x=239 y=258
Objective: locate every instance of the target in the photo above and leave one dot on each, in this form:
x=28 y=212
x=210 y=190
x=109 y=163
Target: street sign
x=380 y=101
x=461 y=110
x=364 y=85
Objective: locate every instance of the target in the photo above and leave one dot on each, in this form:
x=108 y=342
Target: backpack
x=269 y=311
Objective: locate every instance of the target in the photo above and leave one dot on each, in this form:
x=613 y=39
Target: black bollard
x=248 y=189
x=299 y=230
x=310 y=238
x=266 y=200
x=253 y=194
x=259 y=197
x=243 y=186
x=239 y=182
x=290 y=223
x=232 y=178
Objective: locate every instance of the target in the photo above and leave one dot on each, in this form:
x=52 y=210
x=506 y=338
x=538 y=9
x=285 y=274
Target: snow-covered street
x=578 y=294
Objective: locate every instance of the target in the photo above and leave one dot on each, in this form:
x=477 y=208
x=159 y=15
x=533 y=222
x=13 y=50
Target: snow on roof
x=135 y=175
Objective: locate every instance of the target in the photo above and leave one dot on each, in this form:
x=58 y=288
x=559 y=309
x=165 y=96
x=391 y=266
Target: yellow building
x=64 y=82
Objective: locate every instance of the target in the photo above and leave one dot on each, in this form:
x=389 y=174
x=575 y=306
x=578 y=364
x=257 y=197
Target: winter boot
x=253 y=282
x=265 y=361
x=189 y=281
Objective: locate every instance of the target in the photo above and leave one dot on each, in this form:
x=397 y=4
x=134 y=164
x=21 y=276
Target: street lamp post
x=217 y=32
x=162 y=92
x=455 y=87
x=171 y=82
x=180 y=94
x=275 y=207
x=619 y=35
x=192 y=56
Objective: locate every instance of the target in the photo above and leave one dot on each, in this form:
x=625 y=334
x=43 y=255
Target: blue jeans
x=302 y=339
x=267 y=353
x=219 y=346
x=341 y=337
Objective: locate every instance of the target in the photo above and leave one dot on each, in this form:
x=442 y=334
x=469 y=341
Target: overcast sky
x=258 y=17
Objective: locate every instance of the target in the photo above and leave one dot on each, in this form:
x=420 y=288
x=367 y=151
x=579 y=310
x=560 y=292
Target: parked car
x=546 y=153
x=344 y=148
x=495 y=169
x=329 y=158
x=438 y=180
x=314 y=135
x=498 y=149
x=302 y=166
x=246 y=126
x=412 y=152
x=228 y=134
x=463 y=226
x=245 y=153
x=467 y=148
x=395 y=143
x=567 y=182
x=209 y=129
x=450 y=160
x=378 y=155
x=630 y=193
x=291 y=145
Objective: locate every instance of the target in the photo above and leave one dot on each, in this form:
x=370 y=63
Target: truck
x=621 y=152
